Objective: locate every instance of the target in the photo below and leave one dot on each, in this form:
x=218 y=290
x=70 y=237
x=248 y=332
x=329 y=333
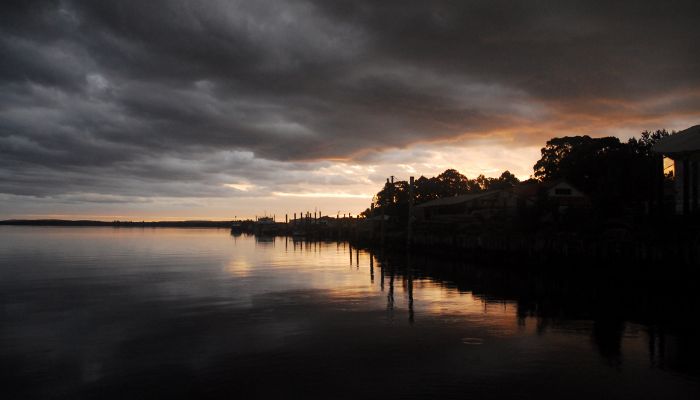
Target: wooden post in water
x=409 y=276
x=381 y=275
x=382 y=228
x=390 y=295
x=409 y=228
x=372 y=224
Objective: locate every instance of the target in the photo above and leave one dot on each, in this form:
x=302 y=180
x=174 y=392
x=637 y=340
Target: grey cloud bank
x=106 y=101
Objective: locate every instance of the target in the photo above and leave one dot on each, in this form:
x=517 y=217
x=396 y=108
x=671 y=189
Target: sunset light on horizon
x=181 y=110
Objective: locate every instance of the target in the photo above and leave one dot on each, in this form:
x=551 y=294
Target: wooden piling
x=382 y=233
x=409 y=227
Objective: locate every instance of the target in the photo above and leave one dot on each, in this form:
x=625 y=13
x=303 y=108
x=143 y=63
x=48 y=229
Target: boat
x=266 y=226
x=236 y=228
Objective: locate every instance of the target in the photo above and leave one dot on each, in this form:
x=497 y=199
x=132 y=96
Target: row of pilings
x=564 y=248
x=681 y=247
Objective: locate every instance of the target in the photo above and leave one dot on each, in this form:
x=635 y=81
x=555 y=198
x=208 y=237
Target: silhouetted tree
x=582 y=160
x=506 y=181
x=482 y=183
x=646 y=141
x=393 y=198
x=426 y=189
x=616 y=175
x=452 y=183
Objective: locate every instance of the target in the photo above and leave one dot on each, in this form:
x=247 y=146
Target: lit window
x=669 y=167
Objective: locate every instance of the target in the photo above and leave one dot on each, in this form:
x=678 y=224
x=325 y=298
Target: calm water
x=146 y=313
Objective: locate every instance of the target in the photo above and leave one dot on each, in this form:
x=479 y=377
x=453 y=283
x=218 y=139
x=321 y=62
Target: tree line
x=617 y=175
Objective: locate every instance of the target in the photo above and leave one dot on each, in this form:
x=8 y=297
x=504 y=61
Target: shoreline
x=119 y=224
x=639 y=248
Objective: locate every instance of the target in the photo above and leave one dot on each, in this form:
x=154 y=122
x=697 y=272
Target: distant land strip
x=168 y=224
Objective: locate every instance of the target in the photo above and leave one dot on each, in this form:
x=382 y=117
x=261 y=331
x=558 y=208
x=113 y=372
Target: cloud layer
x=124 y=102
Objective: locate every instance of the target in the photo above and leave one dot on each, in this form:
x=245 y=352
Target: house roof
x=448 y=201
x=531 y=189
x=527 y=189
x=687 y=140
x=552 y=184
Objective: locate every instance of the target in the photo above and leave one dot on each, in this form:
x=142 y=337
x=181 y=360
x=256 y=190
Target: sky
x=160 y=110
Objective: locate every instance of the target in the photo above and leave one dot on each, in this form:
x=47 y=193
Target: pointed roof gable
x=685 y=141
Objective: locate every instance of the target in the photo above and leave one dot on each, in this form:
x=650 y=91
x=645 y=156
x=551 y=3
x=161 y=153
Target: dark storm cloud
x=180 y=97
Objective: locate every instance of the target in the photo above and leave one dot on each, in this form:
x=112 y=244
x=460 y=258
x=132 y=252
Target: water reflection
x=409 y=280
x=200 y=313
x=450 y=288
x=262 y=240
x=616 y=317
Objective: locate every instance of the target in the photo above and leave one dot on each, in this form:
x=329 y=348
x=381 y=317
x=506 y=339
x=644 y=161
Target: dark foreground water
x=195 y=313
